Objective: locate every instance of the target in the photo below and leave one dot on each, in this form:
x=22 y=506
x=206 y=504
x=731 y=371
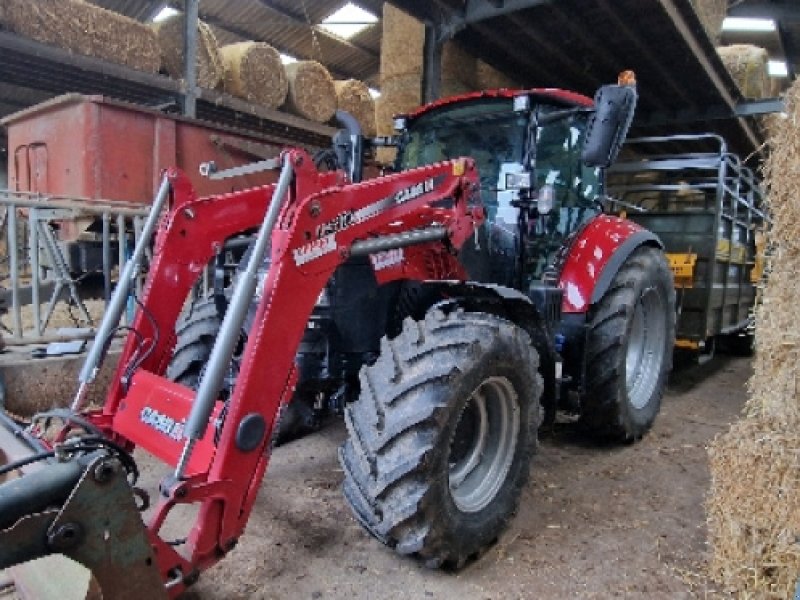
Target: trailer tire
x=629 y=348
x=441 y=438
x=196 y=332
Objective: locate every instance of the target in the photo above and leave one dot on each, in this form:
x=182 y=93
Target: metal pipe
x=119 y=298
x=33 y=219
x=106 y=257
x=400 y=240
x=190 y=58
x=230 y=330
x=13 y=255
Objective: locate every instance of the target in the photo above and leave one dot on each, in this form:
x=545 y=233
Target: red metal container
x=97 y=148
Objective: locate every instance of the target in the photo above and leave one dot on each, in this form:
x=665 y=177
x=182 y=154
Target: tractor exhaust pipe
x=222 y=353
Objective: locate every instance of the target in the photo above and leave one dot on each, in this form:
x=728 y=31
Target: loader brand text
x=348 y=218
x=162 y=423
x=314 y=249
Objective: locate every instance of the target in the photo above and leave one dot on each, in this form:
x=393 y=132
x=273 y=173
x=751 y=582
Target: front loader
x=445 y=309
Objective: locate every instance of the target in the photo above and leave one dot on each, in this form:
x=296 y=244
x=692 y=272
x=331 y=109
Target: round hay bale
x=312 y=94
x=253 y=71
x=84 y=29
x=747 y=65
x=353 y=96
x=210 y=72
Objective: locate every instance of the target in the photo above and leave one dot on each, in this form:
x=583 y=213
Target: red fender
x=595 y=256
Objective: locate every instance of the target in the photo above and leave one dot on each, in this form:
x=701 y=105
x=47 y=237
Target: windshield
x=487 y=130
x=492 y=133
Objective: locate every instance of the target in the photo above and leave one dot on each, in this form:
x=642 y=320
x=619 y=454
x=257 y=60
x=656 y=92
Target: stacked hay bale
x=459 y=71
x=210 y=70
x=754 y=503
x=353 y=96
x=401 y=71
x=85 y=29
x=489 y=78
x=747 y=65
x=312 y=94
x=711 y=14
x=254 y=72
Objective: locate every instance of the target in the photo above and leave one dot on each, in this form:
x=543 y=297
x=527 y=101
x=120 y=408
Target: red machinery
x=442 y=417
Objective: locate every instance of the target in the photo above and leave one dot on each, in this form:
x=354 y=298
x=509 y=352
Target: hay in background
x=312 y=94
x=754 y=515
x=254 y=71
x=353 y=96
x=401 y=44
x=747 y=65
x=489 y=78
x=459 y=70
x=711 y=14
x=84 y=29
x=754 y=503
x=210 y=72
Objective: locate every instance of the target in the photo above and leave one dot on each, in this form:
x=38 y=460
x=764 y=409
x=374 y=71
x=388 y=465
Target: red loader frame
x=429 y=211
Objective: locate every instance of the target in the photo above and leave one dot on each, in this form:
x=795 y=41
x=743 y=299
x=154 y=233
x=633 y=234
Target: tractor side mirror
x=608 y=126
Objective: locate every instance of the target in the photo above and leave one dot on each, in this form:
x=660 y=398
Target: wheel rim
x=484 y=444
x=646 y=348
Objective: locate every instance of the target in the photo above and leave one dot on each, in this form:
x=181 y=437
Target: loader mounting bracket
x=98 y=526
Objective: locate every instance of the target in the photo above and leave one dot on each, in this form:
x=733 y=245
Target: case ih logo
x=414 y=191
x=162 y=423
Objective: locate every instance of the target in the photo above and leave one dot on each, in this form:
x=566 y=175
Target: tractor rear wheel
x=441 y=438
x=629 y=348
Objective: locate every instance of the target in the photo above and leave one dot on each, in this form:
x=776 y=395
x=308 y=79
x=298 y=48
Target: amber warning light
x=626 y=78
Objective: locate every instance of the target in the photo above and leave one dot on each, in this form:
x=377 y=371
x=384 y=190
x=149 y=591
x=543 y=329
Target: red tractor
x=446 y=309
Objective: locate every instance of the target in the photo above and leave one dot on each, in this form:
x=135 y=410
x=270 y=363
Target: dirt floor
x=595 y=522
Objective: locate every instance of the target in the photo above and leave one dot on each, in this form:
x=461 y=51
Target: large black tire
x=196 y=332
x=415 y=434
x=629 y=348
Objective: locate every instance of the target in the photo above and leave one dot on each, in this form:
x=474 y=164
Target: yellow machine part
x=682 y=266
x=686 y=344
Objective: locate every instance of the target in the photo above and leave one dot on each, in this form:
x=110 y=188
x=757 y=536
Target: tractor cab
x=536 y=185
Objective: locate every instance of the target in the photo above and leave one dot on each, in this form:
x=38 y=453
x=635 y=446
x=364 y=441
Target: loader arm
x=220 y=450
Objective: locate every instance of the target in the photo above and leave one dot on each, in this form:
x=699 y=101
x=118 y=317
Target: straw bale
x=459 y=70
x=312 y=93
x=210 y=72
x=754 y=503
x=754 y=508
x=401 y=44
x=747 y=64
x=398 y=95
x=711 y=14
x=353 y=96
x=489 y=78
x=254 y=71
x=84 y=29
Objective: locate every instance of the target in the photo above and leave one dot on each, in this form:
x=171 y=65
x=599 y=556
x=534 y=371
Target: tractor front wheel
x=441 y=438
x=629 y=348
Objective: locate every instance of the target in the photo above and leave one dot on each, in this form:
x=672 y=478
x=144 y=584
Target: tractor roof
x=556 y=95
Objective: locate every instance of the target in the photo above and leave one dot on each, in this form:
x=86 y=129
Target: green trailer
x=707 y=208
